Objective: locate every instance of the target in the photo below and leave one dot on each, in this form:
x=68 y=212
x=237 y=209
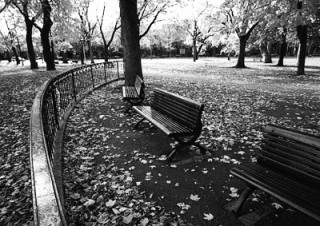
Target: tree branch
x=153 y=21
x=115 y=28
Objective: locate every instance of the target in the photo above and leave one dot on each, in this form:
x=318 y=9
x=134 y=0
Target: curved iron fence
x=50 y=110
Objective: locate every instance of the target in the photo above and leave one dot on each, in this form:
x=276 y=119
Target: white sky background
x=112 y=10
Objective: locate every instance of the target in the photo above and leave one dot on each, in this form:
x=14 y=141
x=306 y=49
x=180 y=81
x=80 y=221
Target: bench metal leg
x=138 y=123
x=236 y=205
x=128 y=108
x=202 y=149
x=184 y=143
x=174 y=152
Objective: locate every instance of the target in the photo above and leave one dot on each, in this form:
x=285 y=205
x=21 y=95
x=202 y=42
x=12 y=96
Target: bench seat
x=134 y=94
x=303 y=197
x=287 y=168
x=129 y=92
x=169 y=126
x=178 y=117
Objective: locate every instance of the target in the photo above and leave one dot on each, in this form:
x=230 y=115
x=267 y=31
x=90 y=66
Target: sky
x=112 y=9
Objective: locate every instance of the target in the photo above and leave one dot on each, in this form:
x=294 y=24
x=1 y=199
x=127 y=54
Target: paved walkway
x=194 y=188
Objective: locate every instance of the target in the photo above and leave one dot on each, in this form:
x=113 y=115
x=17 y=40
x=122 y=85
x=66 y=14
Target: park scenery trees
x=113 y=172
x=73 y=29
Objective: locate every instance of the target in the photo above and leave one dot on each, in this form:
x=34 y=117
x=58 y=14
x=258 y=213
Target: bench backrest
x=292 y=152
x=139 y=84
x=183 y=110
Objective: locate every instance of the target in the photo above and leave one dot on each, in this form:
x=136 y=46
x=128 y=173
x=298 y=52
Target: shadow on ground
x=193 y=187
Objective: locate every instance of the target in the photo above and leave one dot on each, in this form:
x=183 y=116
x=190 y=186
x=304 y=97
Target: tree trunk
x=32 y=56
x=303 y=36
x=90 y=51
x=7 y=55
x=265 y=51
x=130 y=40
x=64 y=57
x=199 y=50
x=45 y=31
x=243 y=43
x=105 y=47
x=106 y=54
x=283 y=47
x=82 y=54
x=242 y=52
x=194 y=49
x=14 y=50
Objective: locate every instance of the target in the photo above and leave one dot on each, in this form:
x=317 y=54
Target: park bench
x=287 y=168
x=134 y=94
x=176 y=116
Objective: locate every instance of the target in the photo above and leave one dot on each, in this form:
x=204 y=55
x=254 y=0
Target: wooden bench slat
x=176 y=116
x=174 y=112
x=161 y=121
x=191 y=106
x=294 y=135
x=292 y=155
x=181 y=112
x=307 y=149
x=275 y=181
x=297 y=169
x=187 y=110
x=284 y=192
x=134 y=94
x=288 y=168
x=181 y=98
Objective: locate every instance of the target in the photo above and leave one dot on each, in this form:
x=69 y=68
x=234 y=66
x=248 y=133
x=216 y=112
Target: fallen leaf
x=90 y=202
x=208 y=216
x=110 y=203
x=127 y=219
x=194 y=197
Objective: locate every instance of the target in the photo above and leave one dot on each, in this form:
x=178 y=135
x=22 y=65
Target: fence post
x=105 y=70
x=92 y=78
x=54 y=103
x=118 y=69
x=73 y=87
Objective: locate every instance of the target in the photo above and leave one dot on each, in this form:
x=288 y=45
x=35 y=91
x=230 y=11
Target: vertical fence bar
x=118 y=69
x=73 y=87
x=92 y=76
x=54 y=102
x=105 y=70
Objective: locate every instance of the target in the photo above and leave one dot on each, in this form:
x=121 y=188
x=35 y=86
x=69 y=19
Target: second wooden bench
x=178 y=117
x=288 y=169
x=134 y=94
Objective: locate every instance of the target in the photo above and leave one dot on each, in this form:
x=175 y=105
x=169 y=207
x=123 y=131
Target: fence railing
x=51 y=108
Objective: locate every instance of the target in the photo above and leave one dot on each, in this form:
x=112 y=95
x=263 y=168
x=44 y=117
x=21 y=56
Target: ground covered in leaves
x=18 y=87
x=117 y=175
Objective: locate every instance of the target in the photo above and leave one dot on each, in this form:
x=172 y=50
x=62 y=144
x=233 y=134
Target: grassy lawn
x=114 y=174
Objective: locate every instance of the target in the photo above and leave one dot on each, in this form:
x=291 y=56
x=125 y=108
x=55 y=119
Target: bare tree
x=12 y=36
x=106 y=44
x=87 y=27
x=30 y=14
x=4 y=5
x=148 y=13
x=199 y=25
x=48 y=47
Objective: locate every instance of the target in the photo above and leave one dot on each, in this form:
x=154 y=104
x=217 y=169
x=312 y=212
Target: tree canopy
x=238 y=27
